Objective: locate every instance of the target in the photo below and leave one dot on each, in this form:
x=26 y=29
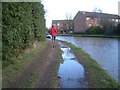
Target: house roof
x=96 y=14
x=60 y=21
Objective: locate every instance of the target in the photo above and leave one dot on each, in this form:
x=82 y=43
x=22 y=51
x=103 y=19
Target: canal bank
x=96 y=76
x=84 y=35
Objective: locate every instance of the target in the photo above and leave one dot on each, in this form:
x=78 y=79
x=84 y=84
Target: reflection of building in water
x=119 y=8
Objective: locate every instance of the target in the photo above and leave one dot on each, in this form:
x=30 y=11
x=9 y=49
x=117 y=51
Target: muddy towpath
x=40 y=72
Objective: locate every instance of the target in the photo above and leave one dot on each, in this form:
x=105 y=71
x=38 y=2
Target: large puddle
x=71 y=72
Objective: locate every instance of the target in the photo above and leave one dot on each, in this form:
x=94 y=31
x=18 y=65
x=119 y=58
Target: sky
x=58 y=9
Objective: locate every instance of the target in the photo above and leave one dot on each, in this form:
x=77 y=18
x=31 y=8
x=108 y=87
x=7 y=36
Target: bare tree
x=97 y=10
x=68 y=16
x=68 y=25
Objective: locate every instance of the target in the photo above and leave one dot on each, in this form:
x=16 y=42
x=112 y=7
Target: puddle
x=71 y=72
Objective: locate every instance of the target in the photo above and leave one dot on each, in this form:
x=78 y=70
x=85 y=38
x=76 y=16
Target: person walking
x=53 y=32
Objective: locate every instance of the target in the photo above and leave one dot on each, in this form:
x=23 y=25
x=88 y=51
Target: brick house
x=63 y=26
x=83 y=20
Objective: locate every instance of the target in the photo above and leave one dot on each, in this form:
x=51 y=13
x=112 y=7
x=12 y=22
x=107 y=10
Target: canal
x=103 y=50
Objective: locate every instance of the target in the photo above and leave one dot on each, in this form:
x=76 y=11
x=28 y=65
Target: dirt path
x=44 y=66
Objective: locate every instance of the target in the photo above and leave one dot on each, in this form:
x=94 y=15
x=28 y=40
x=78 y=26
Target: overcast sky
x=57 y=9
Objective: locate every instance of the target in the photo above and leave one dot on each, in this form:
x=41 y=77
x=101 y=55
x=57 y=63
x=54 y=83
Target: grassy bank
x=84 y=35
x=10 y=72
x=97 y=77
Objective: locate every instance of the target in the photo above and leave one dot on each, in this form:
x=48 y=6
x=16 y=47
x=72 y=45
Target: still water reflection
x=71 y=72
x=103 y=50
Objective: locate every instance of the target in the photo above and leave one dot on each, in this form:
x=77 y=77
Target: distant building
x=84 y=20
x=63 y=26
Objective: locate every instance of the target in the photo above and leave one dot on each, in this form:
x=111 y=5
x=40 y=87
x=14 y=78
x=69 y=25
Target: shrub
x=112 y=30
x=94 y=30
x=118 y=29
x=20 y=22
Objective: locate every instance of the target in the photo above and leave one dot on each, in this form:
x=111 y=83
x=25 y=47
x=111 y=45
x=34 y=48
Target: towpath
x=43 y=66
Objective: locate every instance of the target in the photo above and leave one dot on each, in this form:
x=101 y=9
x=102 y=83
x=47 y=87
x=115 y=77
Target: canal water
x=103 y=50
x=71 y=72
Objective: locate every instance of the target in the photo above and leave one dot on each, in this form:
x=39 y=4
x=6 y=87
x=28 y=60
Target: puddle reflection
x=70 y=71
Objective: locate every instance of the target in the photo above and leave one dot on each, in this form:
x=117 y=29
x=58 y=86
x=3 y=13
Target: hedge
x=22 y=24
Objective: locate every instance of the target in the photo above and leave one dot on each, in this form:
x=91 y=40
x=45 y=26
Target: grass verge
x=10 y=72
x=31 y=80
x=97 y=77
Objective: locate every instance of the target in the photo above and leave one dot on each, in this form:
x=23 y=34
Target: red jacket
x=53 y=31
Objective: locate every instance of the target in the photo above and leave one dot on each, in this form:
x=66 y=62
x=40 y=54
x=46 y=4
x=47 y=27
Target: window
x=89 y=25
x=58 y=24
x=116 y=20
x=87 y=18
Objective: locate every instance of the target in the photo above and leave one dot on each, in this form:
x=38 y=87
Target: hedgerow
x=22 y=24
